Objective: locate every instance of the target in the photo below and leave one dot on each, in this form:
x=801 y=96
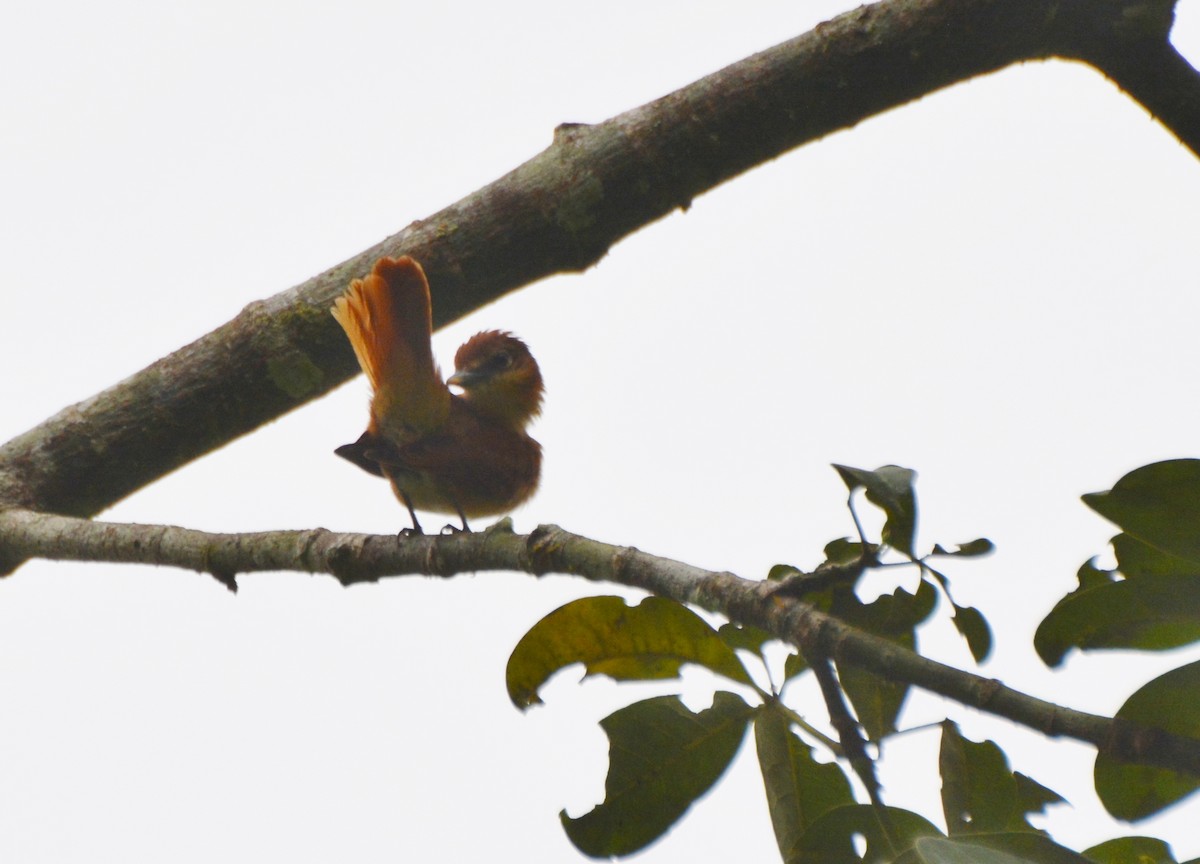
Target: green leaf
x=1131 y=850
x=889 y=488
x=1154 y=608
x=877 y=701
x=799 y=789
x=1151 y=613
x=887 y=615
x=1090 y=576
x=1170 y=702
x=830 y=840
x=793 y=665
x=745 y=637
x=979 y=792
x=1032 y=796
x=940 y=850
x=662 y=757
x=980 y=795
x=645 y=642
x=844 y=551
x=1010 y=848
x=970 y=549
x=779 y=572
x=1136 y=559
x=1159 y=504
x=973 y=627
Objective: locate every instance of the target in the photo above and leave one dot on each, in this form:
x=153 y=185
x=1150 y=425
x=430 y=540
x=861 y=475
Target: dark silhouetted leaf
x=662 y=757
x=973 y=627
x=648 y=641
x=830 y=840
x=888 y=614
x=889 y=488
x=971 y=549
x=941 y=578
x=1159 y=504
x=1152 y=613
x=799 y=789
x=1131 y=850
x=1170 y=702
x=877 y=701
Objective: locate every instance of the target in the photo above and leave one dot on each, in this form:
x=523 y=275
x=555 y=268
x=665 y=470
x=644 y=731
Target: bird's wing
x=389 y=320
x=475 y=465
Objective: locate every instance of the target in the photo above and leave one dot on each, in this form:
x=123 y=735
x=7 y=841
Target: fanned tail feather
x=388 y=319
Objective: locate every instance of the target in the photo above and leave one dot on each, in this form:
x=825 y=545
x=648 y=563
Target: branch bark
x=562 y=210
x=356 y=558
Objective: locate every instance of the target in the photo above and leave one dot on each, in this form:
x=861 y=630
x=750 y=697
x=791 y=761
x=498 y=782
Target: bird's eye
x=499 y=362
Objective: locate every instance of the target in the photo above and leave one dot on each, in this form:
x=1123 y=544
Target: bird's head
x=499 y=377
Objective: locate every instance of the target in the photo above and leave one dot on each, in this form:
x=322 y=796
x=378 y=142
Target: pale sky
x=995 y=286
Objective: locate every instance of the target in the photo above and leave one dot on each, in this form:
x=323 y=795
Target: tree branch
x=1129 y=41
x=356 y=558
x=562 y=210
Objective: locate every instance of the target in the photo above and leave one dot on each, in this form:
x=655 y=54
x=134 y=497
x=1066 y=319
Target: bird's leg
x=416 y=526
x=465 y=529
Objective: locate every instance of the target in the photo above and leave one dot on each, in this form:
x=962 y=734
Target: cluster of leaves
x=663 y=756
x=1150 y=602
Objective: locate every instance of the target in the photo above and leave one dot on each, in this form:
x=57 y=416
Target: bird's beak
x=464 y=379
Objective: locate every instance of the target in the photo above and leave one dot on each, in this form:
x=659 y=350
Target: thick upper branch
x=560 y=212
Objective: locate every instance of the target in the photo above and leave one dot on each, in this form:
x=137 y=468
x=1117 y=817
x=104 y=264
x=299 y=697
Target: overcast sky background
x=995 y=286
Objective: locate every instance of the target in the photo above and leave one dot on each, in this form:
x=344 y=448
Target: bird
x=466 y=455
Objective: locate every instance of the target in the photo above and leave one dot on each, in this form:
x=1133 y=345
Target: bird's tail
x=388 y=319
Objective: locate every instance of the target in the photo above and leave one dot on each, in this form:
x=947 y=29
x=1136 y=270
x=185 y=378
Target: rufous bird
x=467 y=455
